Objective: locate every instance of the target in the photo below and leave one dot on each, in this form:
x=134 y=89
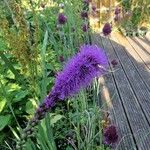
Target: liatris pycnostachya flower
x=110 y=135
x=62 y=19
x=89 y=63
x=107 y=29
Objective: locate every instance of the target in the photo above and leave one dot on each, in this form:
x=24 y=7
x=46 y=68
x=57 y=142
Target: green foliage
x=74 y=124
x=4 y=120
x=139 y=10
x=30 y=51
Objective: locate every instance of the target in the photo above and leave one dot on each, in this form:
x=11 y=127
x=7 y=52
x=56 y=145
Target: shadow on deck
x=126 y=90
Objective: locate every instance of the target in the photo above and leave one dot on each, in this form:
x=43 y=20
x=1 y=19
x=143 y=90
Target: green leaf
x=2 y=137
x=43 y=65
x=20 y=95
x=69 y=148
x=14 y=133
x=9 y=65
x=4 y=121
x=2 y=104
x=12 y=87
x=2 y=45
x=56 y=118
x=30 y=106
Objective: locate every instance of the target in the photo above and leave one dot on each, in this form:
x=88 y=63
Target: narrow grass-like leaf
x=43 y=64
x=10 y=66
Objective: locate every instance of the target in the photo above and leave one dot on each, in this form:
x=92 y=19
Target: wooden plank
x=140 y=42
x=144 y=43
x=140 y=51
x=139 y=88
x=119 y=117
x=137 y=120
x=147 y=36
x=143 y=71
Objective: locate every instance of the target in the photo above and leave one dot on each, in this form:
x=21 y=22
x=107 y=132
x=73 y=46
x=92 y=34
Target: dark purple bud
x=39 y=110
x=62 y=19
x=86 y=2
x=84 y=14
x=93 y=7
x=43 y=5
x=110 y=135
x=114 y=62
x=61 y=58
x=85 y=27
x=117 y=11
x=107 y=29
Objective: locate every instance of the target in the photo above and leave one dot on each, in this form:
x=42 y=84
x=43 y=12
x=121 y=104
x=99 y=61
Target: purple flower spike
x=84 y=14
x=62 y=19
x=110 y=135
x=107 y=29
x=90 y=62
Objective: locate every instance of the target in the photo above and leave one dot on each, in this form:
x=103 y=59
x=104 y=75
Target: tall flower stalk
x=89 y=63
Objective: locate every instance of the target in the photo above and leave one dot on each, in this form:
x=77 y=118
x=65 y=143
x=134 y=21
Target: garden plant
x=49 y=70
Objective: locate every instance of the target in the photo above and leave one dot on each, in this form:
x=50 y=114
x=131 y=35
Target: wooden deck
x=126 y=90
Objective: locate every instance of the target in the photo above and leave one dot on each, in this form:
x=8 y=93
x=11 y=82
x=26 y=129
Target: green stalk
x=43 y=66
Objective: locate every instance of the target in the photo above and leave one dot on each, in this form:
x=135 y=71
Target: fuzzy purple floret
x=80 y=71
x=107 y=29
x=110 y=135
x=62 y=19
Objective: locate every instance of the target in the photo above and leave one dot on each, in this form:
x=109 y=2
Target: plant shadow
x=125 y=90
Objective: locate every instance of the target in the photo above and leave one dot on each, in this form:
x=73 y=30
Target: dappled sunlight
x=127 y=89
x=105 y=94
